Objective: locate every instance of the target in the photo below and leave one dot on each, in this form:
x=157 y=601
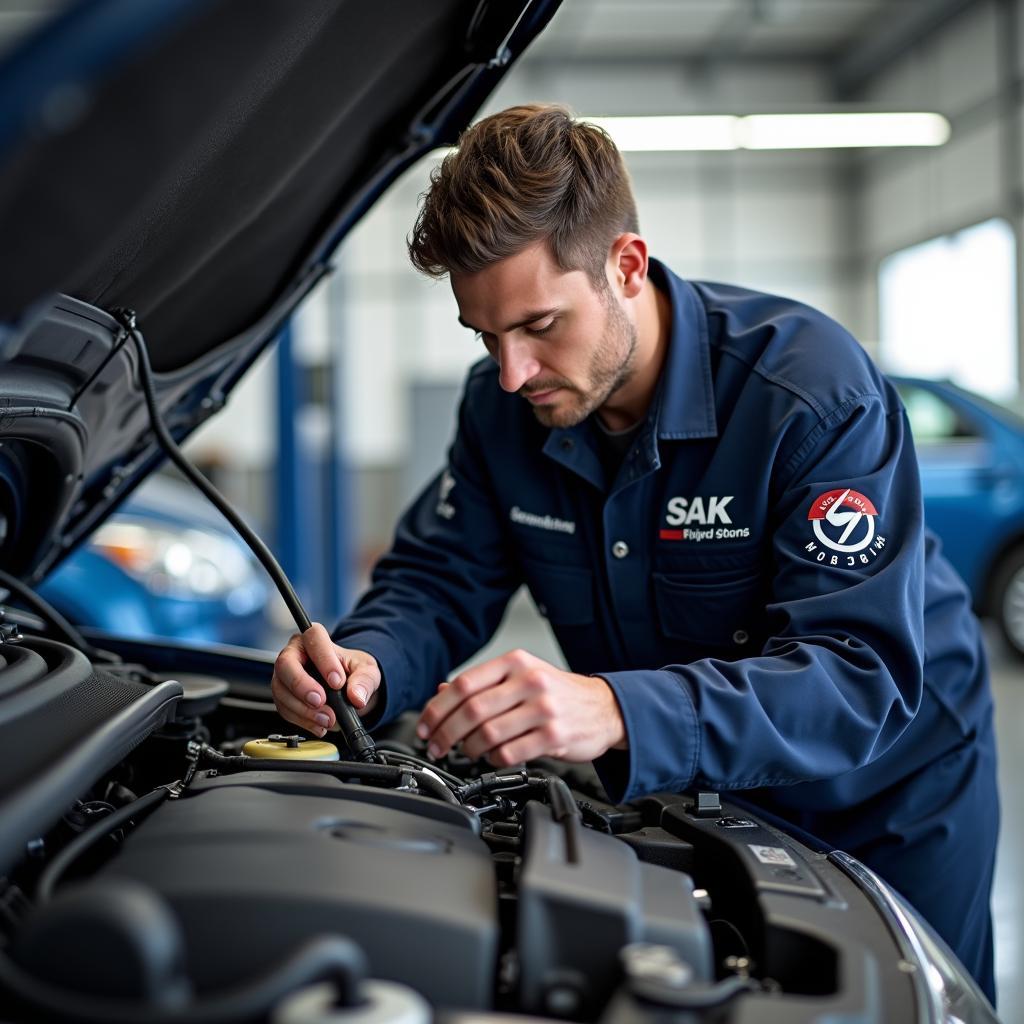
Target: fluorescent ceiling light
x=828 y=131
x=775 y=131
x=703 y=132
x=653 y=134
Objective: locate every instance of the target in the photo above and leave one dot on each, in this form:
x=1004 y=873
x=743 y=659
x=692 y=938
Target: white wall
x=909 y=196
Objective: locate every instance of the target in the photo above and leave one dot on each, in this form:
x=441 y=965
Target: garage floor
x=523 y=628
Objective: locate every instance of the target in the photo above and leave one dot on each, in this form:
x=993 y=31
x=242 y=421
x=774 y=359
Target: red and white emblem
x=843 y=520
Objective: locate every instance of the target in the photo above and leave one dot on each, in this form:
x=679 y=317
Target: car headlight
x=182 y=562
x=947 y=994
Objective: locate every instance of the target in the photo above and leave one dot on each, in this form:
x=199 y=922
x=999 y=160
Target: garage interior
x=357 y=400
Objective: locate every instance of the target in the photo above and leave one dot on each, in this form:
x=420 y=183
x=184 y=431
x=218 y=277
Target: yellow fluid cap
x=291 y=748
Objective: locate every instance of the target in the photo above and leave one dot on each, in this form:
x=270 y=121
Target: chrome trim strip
x=929 y=1003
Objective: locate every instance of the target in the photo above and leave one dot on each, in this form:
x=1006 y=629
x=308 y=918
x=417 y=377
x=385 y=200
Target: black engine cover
x=256 y=864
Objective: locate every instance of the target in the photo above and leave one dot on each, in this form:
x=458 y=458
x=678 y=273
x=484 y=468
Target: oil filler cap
x=291 y=748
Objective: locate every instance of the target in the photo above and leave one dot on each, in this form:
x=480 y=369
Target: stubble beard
x=611 y=366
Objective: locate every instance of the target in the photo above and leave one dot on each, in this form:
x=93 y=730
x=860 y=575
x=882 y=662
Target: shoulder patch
x=844 y=528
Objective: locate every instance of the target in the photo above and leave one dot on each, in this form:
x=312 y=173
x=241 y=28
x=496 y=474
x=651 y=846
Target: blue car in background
x=971 y=453
x=168 y=565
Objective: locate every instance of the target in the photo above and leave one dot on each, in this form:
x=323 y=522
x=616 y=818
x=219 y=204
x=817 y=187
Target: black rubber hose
x=53 y=872
x=563 y=806
x=492 y=781
x=339 y=769
x=400 y=757
x=42 y=607
x=328 y=958
x=359 y=741
x=565 y=810
x=435 y=786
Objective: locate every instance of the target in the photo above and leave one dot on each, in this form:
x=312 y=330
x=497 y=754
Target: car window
x=1010 y=411
x=932 y=419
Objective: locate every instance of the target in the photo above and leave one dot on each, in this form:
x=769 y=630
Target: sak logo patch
x=694 y=513
x=843 y=522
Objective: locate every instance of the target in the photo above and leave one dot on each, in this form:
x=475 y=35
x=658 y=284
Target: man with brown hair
x=713 y=497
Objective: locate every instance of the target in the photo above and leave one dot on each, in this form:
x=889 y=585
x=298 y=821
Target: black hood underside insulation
x=206 y=171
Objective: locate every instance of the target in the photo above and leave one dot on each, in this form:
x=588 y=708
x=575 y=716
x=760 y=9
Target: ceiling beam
x=902 y=27
x=682 y=62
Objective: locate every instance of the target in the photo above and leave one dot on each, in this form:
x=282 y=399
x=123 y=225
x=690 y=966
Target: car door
x=961 y=476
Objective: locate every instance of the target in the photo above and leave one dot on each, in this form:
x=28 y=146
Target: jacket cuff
x=662 y=730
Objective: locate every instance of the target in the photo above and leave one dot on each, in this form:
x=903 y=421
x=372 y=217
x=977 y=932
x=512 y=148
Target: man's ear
x=627 y=265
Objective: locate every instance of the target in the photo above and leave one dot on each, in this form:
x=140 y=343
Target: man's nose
x=516 y=364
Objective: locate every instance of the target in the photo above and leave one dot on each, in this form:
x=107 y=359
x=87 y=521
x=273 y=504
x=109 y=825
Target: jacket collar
x=684 y=403
x=683 y=407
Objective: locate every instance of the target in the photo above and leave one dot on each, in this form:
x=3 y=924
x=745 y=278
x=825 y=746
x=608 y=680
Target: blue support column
x=340 y=521
x=314 y=542
x=340 y=479
x=288 y=479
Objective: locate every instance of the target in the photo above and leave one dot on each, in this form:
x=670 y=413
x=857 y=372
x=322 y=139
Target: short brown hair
x=528 y=173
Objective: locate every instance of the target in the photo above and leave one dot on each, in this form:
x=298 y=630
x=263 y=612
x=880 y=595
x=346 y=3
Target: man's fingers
x=363 y=677
x=477 y=715
x=524 y=748
x=290 y=670
x=502 y=728
x=465 y=685
x=323 y=653
x=301 y=699
x=299 y=713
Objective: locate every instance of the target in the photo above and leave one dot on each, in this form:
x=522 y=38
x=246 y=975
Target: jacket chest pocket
x=720 y=612
x=564 y=594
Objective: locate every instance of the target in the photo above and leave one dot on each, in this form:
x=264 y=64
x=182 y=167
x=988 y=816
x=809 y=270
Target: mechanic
x=712 y=495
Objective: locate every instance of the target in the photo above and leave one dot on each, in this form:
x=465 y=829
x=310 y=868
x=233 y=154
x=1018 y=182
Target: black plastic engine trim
x=41 y=802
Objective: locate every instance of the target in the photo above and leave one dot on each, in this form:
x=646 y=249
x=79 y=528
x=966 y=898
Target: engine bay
x=168 y=855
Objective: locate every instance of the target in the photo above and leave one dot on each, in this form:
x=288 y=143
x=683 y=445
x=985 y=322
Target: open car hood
x=197 y=163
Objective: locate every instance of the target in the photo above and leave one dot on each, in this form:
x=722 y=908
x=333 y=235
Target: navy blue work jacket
x=755 y=583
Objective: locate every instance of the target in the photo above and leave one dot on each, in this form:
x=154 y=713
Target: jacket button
x=741 y=636
x=620 y=549
x=567 y=444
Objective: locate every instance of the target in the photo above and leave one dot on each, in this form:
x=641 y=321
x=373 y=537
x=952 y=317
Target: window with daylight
x=948 y=309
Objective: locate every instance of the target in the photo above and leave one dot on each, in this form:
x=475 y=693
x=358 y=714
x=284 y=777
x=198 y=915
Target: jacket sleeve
x=438 y=595
x=840 y=676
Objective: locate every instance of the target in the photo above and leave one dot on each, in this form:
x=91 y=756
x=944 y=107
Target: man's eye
x=544 y=329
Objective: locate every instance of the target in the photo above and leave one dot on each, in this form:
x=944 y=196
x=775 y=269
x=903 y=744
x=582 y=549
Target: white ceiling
x=637 y=29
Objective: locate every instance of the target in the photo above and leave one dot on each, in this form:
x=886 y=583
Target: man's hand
x=301 y=700
x=517 y=707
